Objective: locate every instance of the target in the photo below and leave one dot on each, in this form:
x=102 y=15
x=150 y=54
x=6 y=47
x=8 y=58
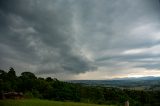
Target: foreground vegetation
x=36 y=102
x=53 y=89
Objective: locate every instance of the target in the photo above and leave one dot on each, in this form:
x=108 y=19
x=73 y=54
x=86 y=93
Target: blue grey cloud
x=37 y=35
x=77 y=36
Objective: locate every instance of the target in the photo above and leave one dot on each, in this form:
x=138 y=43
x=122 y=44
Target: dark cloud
x=150 y=66
x=72 y=37
x=37 y=35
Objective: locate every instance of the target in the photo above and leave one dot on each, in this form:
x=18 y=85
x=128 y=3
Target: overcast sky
x=81 y=39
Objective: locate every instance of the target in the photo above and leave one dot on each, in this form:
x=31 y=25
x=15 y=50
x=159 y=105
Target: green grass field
x=43 y=103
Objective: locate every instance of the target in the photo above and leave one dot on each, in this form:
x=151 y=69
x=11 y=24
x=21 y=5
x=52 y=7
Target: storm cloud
x=75 y=37
x=38 y=35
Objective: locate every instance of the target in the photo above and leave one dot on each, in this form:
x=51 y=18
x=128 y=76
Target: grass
x=37 y=102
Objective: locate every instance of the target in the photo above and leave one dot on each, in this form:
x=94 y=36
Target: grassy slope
x=42 y=103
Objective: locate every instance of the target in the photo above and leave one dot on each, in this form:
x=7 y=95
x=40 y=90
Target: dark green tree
x=28 y=75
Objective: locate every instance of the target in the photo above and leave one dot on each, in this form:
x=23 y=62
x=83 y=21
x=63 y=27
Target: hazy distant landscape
x=142 y=83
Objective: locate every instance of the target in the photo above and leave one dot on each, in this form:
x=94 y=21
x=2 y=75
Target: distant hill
x=145 y=83
x=139 y=78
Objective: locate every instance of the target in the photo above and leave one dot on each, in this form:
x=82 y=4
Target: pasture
x=37 y=102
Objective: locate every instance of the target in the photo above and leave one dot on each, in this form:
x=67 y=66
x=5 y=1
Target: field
x=38 y=102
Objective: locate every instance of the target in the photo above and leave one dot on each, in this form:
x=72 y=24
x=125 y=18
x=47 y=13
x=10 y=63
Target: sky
x=81 y=39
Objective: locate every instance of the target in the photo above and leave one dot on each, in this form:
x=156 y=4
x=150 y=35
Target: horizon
x=81 y=39
x=116 y=78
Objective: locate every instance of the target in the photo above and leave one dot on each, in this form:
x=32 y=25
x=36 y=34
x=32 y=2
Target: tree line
x=53 y=89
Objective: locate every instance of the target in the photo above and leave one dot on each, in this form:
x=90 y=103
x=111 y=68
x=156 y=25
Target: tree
x=49 y=79
x=28 y=75
x=11 y=74
x=27 y=81
x=3 y=75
